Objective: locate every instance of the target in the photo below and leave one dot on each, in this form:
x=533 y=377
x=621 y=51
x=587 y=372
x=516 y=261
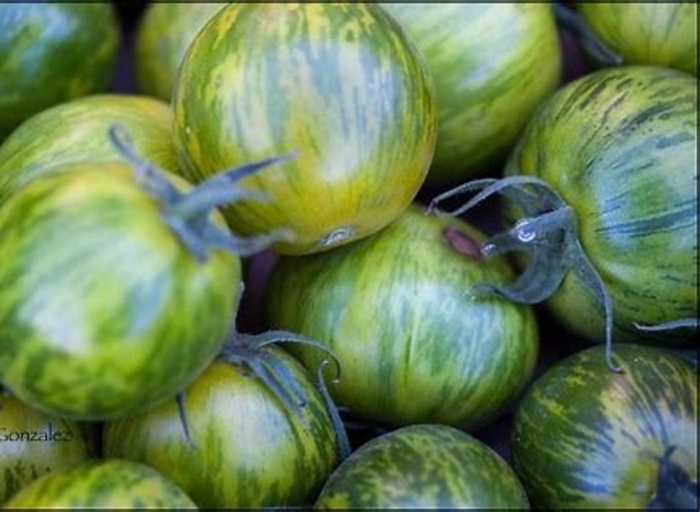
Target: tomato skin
x=52 y=52
x=658 y=33
x=339 y=84
x=164 y=33
x=97 y=483
x=619 y=145
x=423 y=466
x=492 y=65
x=412 y=344
x=104 y=310
x=247 y=450
x=33 y=443
x=584 y=436
x=77 y=130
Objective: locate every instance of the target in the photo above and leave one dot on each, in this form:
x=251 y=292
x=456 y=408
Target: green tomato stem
x=690 y=323
x=249 y=350
x=547 y=235
x=187 y=214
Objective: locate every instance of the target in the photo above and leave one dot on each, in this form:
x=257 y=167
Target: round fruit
x=33 y=443
x=77 y=131
x=110 y=484
x=51 y=52
x=655 y=33
x=105 y=308
x=620 y=147
x=603 y=193
x=492 y=65
x=164 y=33
x=584 y=436
x=340 y=85
x=420 y=467
x=245 y=448
x=414 y=346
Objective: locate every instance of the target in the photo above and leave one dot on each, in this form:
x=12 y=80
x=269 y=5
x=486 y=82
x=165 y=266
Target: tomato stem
x=547 y=234
x=250 y=351
x=187 y=214
x=690 y=323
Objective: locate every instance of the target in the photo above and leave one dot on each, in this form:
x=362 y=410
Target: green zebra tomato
x=164 y=32
x=620 y=147
x=492 y=65
x=647 y=33
x=340 y=84
x=108 y=484
x=104 y=309
x=52 y=52
x=603 y=198
x=586 y=437
x=245 y=448
x=77 y=130
x=423 y=466
x=413 y=345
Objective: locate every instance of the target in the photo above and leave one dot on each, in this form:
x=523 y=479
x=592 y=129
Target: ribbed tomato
x=339 y=84
x=413 y=344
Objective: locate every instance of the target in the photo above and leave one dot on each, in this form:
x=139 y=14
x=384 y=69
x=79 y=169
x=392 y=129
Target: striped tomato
x=164 y=33
x=587 y=437
x=340 y=84
x=423 y=466
x=51 y=52
x=646 y=33
x=118 y=284
x=412 y=344
x=604 y=182
x=245 y=448
x=33 y=443
x=492 y=64
x=102 y=484
x=77 y=130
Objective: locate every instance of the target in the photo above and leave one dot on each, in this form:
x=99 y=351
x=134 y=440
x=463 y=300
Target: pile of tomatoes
x=358 y=255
